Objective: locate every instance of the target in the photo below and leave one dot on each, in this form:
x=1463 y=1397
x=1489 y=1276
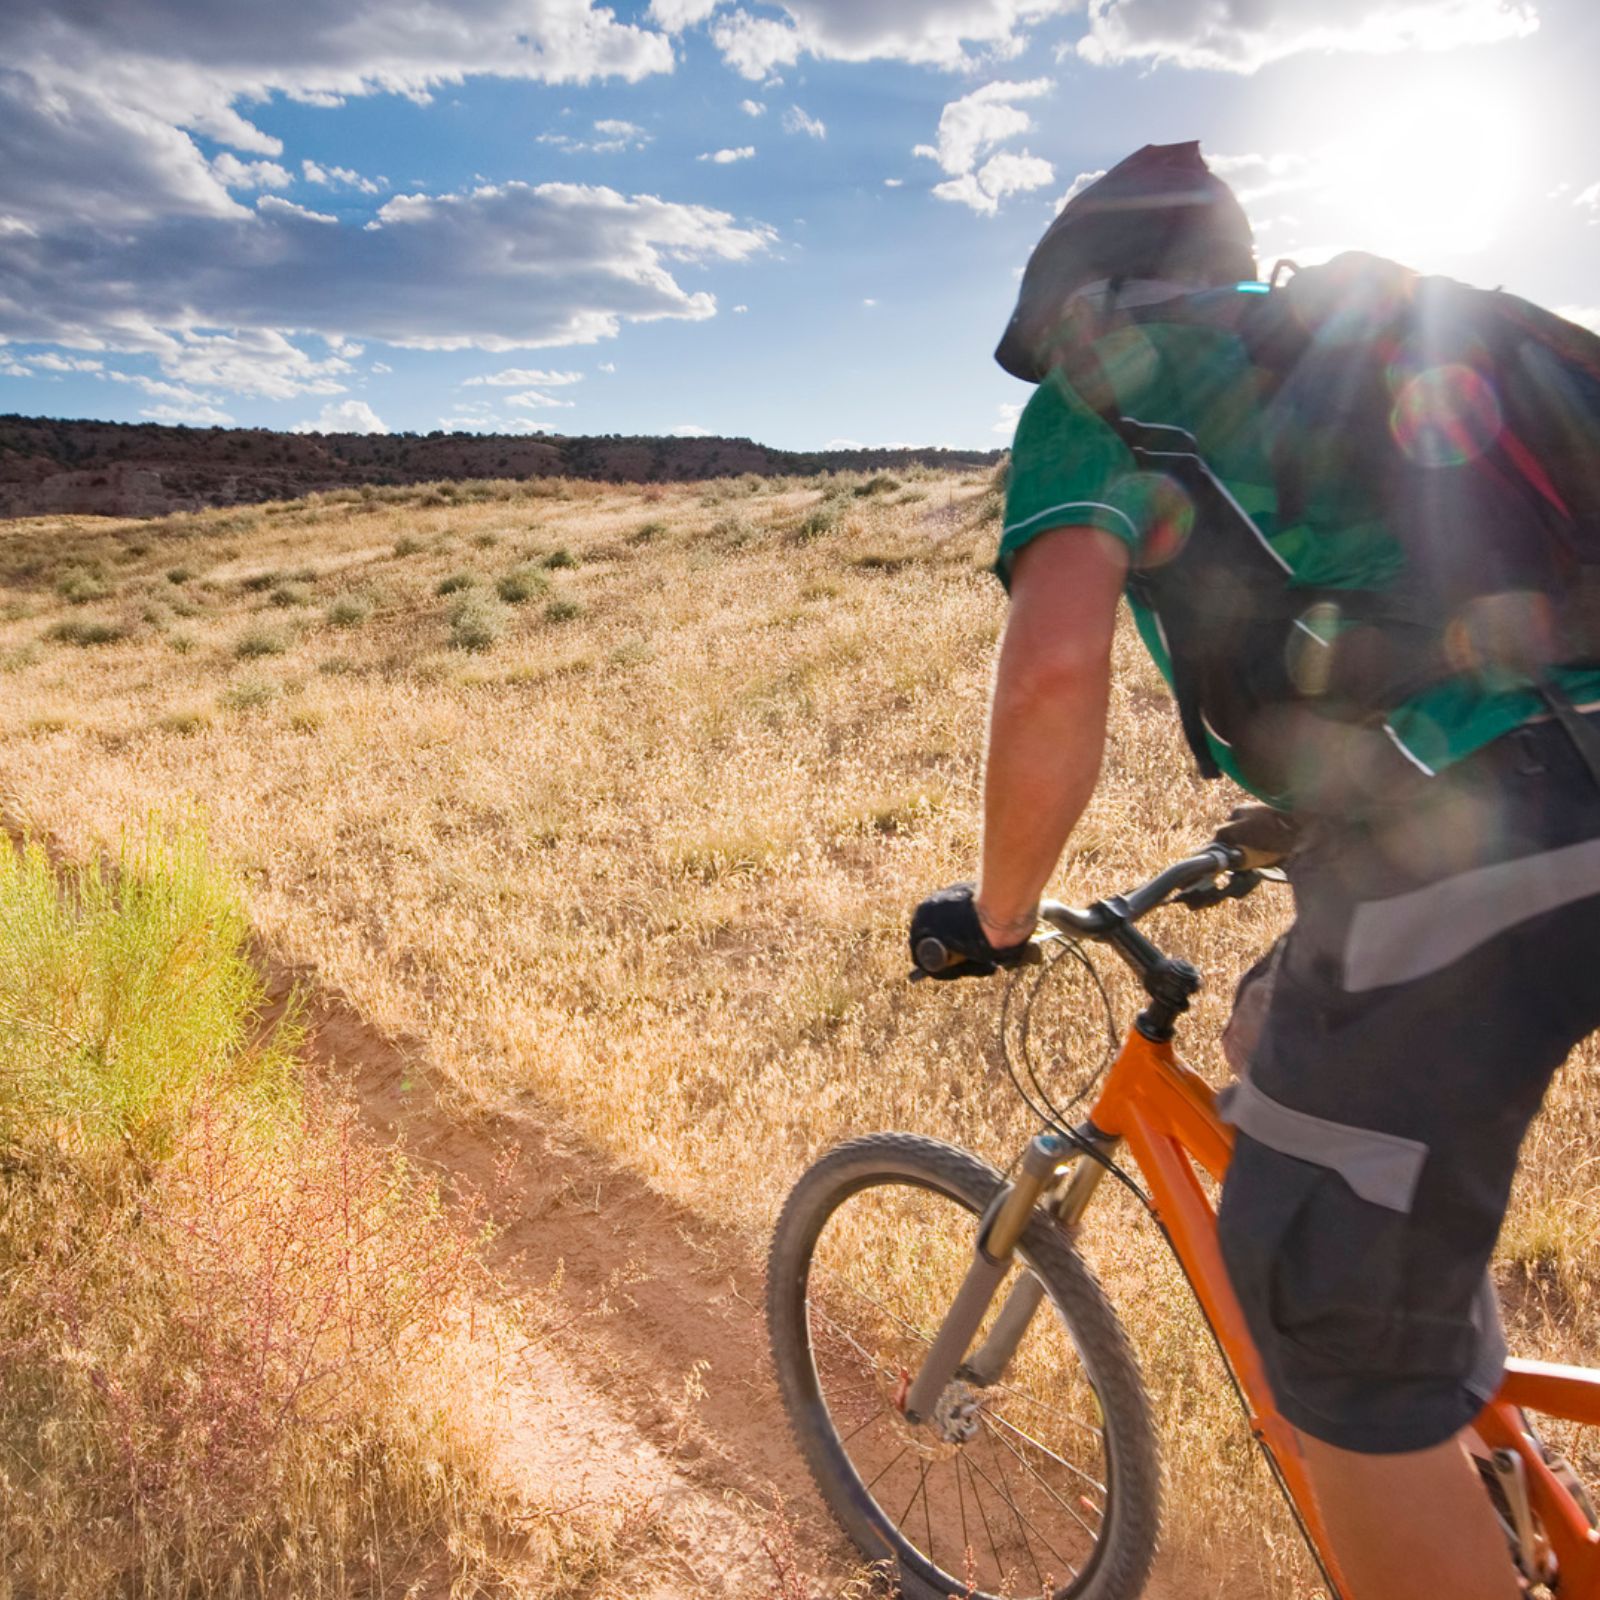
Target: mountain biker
x=1445 y=865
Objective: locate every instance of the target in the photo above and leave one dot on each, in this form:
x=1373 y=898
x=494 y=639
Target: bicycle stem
x=997 y=1240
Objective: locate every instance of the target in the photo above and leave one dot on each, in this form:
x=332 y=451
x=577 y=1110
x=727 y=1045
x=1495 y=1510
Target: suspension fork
x=998 y=1232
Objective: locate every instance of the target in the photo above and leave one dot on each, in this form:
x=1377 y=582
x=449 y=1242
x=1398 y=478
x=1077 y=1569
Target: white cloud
x=725 y=157
x=752 y=108
x=943 y=33
x=50 y=362
x=347 y=416
x=1584 y=316
x=1244 y=35
x=1082 y=182
x=1007 y=423
x=334 y=177
x=738 y=311
x=500 y=268
x=1589 y=197
x=977 y=122
x=276 y=206
x=520 y=378
x=611 y=366
x=199 y=414
x=613 y=135
x=232 y=173
x=970 y=128
x=869 y=301
x=797 y=121
x=15 y=369
x=676 y=15
x=381 y=367
x=893 y=183
x=531 y=400
x=98 y=104
x=690 y=430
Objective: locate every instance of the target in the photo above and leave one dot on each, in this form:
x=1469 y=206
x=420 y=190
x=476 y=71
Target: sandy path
x=655 y=1383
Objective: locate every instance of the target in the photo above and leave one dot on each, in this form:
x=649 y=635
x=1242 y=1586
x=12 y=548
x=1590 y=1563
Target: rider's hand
x=1264 y=835
x=948 y=941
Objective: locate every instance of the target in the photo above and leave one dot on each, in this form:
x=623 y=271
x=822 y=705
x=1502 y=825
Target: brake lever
x=1205 y=895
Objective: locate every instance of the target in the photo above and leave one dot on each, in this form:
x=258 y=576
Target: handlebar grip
x=933 y=955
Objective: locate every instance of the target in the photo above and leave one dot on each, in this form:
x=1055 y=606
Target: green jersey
x=1070 y=469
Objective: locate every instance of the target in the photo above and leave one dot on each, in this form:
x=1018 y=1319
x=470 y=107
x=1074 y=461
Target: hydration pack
x=1465 y=421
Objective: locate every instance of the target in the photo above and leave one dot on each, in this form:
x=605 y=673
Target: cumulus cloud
x=1007 y=421
x=1080 y=183
x=676 y=15
x=98 y=103
x=752 y=108
x=520 y=378
x=505 y=267
x=345 y=416
x=970 y=128
x=50 y=362
x=273 y=205
x=532 y=399
x=725 y=157
x=943 y=33
x=1244 y=35
x=338 y=177
x=233 y=173
x=690 y=430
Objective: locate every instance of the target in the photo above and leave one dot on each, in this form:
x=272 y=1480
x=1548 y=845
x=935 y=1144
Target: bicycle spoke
x=1044 y=1484
x=1049 y=1411
x=1022 y=1522
x=1044 y=1450
x=900 y=1452
x=961 y=1501
x=877 y=1416
x=988 y=1532
x=922 y=1479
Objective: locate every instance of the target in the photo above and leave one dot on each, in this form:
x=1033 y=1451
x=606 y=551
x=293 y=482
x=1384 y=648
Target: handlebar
x=1194 y=877
x=1100 y=919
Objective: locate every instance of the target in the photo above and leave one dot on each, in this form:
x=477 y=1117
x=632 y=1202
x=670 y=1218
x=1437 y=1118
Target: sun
x=1427 y=170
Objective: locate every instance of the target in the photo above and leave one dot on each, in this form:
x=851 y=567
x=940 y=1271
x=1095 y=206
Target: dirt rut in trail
x=654 y=1384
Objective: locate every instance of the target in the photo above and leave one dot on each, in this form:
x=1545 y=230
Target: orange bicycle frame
x=1166 y=1114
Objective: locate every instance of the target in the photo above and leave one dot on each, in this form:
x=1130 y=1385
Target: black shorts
x=1444 y=959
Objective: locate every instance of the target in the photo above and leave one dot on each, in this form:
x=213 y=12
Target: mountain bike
x=961 y=1388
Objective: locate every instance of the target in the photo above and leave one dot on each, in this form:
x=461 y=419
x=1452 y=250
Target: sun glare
x=1427 y=172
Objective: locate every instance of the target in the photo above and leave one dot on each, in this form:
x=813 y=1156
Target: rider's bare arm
x=1047 y=722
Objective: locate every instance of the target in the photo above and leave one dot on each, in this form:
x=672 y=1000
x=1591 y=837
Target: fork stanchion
x=990 y=1263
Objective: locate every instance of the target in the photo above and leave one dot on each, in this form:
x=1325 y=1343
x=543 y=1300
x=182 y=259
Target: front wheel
x=1044 y=1482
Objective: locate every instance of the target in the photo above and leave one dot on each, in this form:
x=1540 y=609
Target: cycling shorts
x=1440 y=968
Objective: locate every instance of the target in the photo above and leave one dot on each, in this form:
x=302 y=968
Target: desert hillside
x=62 y=467
x=587 y=819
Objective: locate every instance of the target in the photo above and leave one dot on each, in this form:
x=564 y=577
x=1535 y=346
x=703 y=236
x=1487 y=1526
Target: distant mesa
x=70 y=468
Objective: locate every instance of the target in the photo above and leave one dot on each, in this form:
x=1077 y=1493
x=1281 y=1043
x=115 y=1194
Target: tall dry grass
x=244 y=1352
x=646 y=855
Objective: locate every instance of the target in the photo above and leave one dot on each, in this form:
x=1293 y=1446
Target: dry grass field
x=617 y=800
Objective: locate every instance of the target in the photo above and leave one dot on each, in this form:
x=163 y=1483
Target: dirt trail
x=656 y=1384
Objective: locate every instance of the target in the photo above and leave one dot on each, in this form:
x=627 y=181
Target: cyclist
x=1447 y=898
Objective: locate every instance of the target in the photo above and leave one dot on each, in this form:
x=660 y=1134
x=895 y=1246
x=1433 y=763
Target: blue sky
x=800 y=222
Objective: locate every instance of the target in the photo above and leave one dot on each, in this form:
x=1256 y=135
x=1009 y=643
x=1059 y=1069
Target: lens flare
x=1445 y=416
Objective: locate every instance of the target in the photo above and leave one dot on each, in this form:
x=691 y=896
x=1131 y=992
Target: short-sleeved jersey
x=1070 y=469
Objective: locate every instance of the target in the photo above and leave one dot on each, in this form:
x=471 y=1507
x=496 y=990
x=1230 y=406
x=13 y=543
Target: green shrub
x=522 y=584
x=290 y=594
x=79 y=632
x=486 y=541
x=477 y=622
x=248 y=693
x=562 y=611
x=562 y=557
x=260 y=582
x=647 y=531
x=179 y=575
x=407 y=545
x=456 y=582
x=259 y=641
x=79 y=585
x=182 y=643
x=348 y=611
x=141 y=979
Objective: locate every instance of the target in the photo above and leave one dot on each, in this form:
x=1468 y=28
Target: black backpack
x=1468 y=420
